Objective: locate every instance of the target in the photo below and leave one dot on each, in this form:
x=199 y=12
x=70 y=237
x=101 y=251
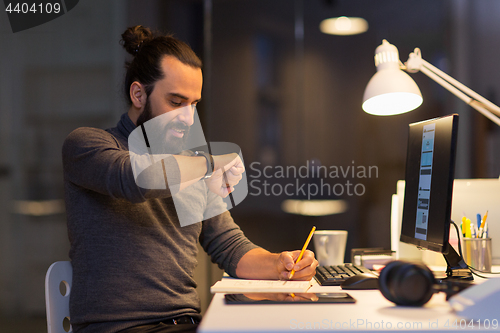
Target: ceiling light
x=343 y=25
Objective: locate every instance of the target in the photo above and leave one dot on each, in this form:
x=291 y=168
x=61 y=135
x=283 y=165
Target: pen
x=303 y=250
x=481 y=228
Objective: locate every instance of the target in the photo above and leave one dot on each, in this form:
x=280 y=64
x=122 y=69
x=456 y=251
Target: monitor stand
x=457 y=269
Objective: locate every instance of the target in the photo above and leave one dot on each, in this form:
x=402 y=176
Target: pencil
x=228 y=188
x=303 y=250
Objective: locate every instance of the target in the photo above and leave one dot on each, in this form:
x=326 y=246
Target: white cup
x=330 y=246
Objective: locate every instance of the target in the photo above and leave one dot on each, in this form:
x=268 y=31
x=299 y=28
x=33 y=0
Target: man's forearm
x=258 y=264
x=192 y=169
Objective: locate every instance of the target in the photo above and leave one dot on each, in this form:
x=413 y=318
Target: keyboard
x=336 y=274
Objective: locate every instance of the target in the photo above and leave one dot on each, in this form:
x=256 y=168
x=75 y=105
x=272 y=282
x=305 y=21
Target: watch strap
x=210 y=163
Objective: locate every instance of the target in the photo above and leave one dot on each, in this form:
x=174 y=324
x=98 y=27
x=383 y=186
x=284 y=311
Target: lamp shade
x=390 y=91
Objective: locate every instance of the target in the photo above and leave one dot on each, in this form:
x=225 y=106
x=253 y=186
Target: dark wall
x=287 y=101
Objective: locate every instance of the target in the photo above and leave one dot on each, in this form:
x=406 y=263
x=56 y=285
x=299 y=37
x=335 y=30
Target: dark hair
x=148 y=49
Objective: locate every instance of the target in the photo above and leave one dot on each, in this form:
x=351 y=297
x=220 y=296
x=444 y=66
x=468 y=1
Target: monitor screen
x=430 y=169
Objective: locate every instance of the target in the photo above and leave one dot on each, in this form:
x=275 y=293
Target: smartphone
x=282 y=298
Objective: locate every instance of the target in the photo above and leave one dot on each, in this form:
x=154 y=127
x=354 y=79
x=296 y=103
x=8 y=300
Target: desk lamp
x=392 y=91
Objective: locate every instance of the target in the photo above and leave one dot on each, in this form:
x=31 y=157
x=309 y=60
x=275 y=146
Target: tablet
x=285 y=298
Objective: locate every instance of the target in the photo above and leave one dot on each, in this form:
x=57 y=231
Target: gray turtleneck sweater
x=132 y=261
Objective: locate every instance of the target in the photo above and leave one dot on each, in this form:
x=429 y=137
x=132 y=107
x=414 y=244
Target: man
x=132 y=261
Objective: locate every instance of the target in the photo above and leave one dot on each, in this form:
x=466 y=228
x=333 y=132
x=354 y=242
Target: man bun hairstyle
x=148 y=48
x=133 y=38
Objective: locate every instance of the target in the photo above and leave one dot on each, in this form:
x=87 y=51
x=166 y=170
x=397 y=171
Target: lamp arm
x=474 y=95
x=488 y=109
x=480 y=107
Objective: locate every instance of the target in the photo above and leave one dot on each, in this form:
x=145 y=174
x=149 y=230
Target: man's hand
x=228 y=170
x=304 y=269
x=262 y=264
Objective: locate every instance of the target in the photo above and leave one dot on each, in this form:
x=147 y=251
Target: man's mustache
x=178 y=126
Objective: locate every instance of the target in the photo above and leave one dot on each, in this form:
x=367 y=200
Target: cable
x=458 y=235
x=477 y=270
x=479 y=275
x=473 y=270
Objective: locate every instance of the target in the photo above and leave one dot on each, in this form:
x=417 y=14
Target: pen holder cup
x=477 y=253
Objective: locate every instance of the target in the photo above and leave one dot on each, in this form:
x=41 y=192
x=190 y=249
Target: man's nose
x=187 y=115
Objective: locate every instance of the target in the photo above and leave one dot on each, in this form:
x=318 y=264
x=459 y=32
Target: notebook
x=231 y=285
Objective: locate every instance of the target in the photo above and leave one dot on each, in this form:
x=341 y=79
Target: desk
x=371 y=312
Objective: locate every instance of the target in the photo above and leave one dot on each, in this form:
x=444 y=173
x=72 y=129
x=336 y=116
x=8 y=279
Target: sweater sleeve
x=95 y=160
x=223 y=239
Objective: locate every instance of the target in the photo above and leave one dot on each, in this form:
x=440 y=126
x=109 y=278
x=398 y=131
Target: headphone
x=413 y=284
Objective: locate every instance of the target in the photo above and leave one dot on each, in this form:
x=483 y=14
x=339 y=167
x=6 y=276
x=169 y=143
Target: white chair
x=57 y=289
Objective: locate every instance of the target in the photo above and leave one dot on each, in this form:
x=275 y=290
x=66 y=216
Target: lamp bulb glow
x=392 y=103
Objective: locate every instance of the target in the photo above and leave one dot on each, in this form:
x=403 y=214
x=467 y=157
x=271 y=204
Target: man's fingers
x=287 y=261
x=307 y=272
x=305 y=269
x=306 y=260
x=232 y=179
x=230 y=161
x=295 y=254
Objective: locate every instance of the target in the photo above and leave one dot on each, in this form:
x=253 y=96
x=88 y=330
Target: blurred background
x=274 y=84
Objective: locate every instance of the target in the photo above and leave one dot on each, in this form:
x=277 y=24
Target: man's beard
x=173 y=145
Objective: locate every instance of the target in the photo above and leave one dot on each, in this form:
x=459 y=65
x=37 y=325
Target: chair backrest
x=57 y=289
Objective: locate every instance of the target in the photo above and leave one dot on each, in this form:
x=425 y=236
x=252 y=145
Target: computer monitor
x=430 y=170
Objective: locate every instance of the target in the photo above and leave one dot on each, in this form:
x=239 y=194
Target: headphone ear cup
x=386 y=277
x=406 y=283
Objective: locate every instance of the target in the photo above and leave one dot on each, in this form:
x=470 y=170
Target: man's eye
x=176 y=103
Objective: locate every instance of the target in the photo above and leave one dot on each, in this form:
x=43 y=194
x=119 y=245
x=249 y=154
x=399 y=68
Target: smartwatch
x=210 y=163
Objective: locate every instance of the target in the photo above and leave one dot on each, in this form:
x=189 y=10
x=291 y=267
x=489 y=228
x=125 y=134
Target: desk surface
x=371 y=312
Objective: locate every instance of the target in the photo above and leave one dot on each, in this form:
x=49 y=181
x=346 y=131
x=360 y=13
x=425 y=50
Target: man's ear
x=138 y=94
